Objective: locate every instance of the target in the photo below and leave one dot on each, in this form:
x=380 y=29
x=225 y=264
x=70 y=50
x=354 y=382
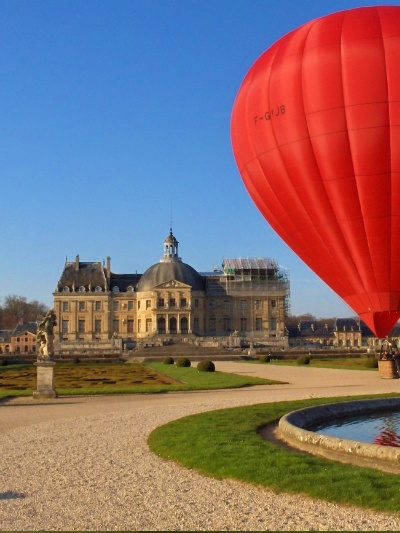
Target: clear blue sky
x=115 y=119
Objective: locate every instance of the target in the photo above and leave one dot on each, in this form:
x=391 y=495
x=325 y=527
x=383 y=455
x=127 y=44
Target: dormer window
x=130 y=289
x=81 y=289
x=115 y=289
x=98 y=289
x=66 y=289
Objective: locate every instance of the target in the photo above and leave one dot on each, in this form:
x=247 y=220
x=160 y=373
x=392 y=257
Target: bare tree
x=16 y=308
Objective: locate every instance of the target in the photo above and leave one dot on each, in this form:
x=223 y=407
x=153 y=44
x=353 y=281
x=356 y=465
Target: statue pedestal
x=45 y=380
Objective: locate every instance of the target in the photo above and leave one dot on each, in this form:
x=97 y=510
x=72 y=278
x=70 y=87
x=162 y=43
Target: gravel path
x=83 y=464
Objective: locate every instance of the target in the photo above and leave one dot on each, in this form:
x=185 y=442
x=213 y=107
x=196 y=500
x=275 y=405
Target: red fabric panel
x=316 y=136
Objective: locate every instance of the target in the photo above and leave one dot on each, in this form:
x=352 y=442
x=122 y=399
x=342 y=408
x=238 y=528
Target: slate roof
x=5 y=335
x=123 y=281
x=347 y=324
x=25 y=326
x=88 y=275
x=174 y=270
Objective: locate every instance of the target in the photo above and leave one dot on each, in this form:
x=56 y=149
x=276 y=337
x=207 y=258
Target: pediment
x=173 y=284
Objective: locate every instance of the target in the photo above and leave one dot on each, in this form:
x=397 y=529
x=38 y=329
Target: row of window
x=212 y=325
x=161 y=303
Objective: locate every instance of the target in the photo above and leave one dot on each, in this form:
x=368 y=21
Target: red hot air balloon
x=316 y=137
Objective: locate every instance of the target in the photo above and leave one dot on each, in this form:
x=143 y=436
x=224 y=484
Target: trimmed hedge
x=303 y=360
x=183 y=361
x=168 y=361
x=371 y=363
x=264 y=359
x=206 y=366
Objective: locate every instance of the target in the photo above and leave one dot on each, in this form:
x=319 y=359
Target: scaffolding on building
x=250 y=277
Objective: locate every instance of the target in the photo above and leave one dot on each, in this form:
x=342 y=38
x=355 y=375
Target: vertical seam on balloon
x=390 y=144
x=316 y=162
x=351 y=153
x=282 y=158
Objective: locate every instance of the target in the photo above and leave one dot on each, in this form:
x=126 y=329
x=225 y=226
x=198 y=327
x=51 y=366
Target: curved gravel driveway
x=83 y=463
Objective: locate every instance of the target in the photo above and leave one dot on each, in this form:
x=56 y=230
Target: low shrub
x=3 y=362
x=183 y=361
x=264 y=359
x=168 y=361
x=303 y=360
x=76 y=360
x=206 y=366
x=371 y=363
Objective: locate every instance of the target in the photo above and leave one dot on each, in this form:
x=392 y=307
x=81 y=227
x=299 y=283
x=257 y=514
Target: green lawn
x=225 y=444
x=124 y=378
x=346 y=363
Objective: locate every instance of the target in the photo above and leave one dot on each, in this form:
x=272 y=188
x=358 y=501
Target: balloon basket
x=387 y=369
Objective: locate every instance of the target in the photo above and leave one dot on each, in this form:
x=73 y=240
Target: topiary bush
x=303 y=360
x=183 y=361
x=168 y=361
x=206 y=366
x=264 y=359
x=371 y=363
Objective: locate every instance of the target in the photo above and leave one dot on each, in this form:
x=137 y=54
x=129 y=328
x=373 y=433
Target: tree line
x=17 y=308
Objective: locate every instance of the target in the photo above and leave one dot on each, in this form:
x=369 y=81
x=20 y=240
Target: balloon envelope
x=316 y=136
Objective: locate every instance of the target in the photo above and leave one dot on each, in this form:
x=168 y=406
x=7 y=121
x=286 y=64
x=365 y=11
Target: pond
x=381 y=428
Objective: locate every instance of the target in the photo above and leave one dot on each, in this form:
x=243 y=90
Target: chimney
x=108 y=271
x=77 y=262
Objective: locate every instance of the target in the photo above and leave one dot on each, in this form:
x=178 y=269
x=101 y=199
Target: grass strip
x=344 y=363
x=226 y=444
x=194 y=380
x=149 y=378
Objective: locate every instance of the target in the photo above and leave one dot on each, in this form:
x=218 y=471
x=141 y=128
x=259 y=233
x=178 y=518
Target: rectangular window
x=65 y=326
x=97 y=305
x=258 y=324
x=183 y=302
x=139 y=325
x=130 y=325
x=243 y=324
x=81 y=326
x=97 y=325
x=273 y=324
x=196 y=302
x=243 y=305
x=148 y=325
x=196 y=325
x=116 y=326
x=161 y=302
x=227 y=324
x=82 y=306
x=226 y=304
x=115 y=306
x=65 y=306
x=130 y=305
x=273 y=304
x=148 y=304
x=138 y=304
x=212 y=324
x=258 y=304
x=172 y=302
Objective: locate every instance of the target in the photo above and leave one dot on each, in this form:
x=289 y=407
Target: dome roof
x=168 y=271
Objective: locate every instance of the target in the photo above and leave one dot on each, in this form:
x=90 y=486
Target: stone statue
x=45 y=336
